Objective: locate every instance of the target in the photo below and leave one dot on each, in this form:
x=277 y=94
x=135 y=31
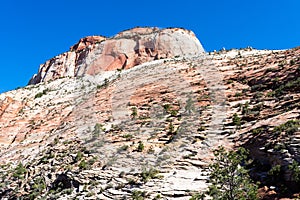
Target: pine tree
x=228 y=179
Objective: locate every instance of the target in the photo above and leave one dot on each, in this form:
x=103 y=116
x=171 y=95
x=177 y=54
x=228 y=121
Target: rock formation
x=148 y=130
x=95 y=54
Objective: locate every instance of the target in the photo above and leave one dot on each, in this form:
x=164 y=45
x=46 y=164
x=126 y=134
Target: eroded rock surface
x=149 y=130
x=95 y=54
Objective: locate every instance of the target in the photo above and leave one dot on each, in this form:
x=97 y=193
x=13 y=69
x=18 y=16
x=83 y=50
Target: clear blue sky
x=34 y=31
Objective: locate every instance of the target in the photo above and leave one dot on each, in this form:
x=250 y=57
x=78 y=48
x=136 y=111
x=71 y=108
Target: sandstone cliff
x=95 y=54
x=149 y=129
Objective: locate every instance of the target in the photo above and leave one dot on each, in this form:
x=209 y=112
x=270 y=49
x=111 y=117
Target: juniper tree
x=228 y=179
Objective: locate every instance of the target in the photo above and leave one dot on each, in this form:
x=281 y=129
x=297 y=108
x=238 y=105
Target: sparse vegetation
x=295 y=169
x=40 y=94
x=167 y=107
x=138 y=195
x=128 y=136
x=289 y=127
x=236 y=120
x=19 y=171
x=134 y=112
x=151 y=173
x=189 y=107
x=83 y=165
x=140 y=147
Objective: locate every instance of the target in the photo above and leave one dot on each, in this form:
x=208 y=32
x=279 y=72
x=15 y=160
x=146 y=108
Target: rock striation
x=148 y=131
x=95 y=54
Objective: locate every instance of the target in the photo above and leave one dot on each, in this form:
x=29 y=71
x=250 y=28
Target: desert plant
x=128 y=136
x=274 y=174
x=189 y=107
x=19 y=171
x=40 y=94
x=295 y=168
x=236 y=120
x=83 y=165
x=245 y=108
x=79 y=156
x=289 y=127
x=171 y=128
x=134 y=112
x=138 y=195
x=229 y=180
x=149 y=174
x=98 y=128
x=167 y=107
x=140 y=147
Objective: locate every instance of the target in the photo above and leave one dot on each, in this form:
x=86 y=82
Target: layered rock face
x=149 y=131
x=95 y=54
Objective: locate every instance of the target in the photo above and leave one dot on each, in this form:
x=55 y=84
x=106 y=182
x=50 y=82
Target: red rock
x=94 y=54
x=85 y=42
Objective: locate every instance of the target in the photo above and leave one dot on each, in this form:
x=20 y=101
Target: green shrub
x=140 y=147
x=295 y=168
x=228 y=179
x=19 y=171
x=79 y=156
x=83 y=165
x=236 y=120
x=149 y=174
x=128 y=136
x=134 y=112
x=138 y=195
x=189 y=107
x=274 y=174
x=201 y=128
x=167 y=107
x=40 y=94
x=289 y=127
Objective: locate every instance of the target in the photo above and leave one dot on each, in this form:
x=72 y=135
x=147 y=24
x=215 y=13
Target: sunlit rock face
x=95 y=54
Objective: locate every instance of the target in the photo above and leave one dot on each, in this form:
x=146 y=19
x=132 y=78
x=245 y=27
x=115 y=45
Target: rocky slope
x=138 y=115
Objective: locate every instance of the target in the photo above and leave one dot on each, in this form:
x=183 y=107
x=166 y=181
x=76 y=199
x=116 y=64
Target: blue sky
x=34 y=31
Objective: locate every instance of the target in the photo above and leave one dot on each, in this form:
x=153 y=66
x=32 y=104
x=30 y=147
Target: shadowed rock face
x=95 y=54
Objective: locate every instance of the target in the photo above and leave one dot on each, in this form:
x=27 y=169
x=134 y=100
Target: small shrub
x=79 y=156
x=236 y=120
x=40 y=94
x=19 y=171
x=138 y=195
x=167 y=107
x=189 y=107
x=257 y=131
x=238 y=94
x=173 y=113
x=295 y=168
x=134 y=112
x=229 y=81
x=171 y=128
x=141 y=147
x=245 y=108
x=274 y=175
x=127 y=136
x=289 y=127
x=123 y=148
x=201 y=128
x=97 y=130
x=83 y=165
x=149 y=174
